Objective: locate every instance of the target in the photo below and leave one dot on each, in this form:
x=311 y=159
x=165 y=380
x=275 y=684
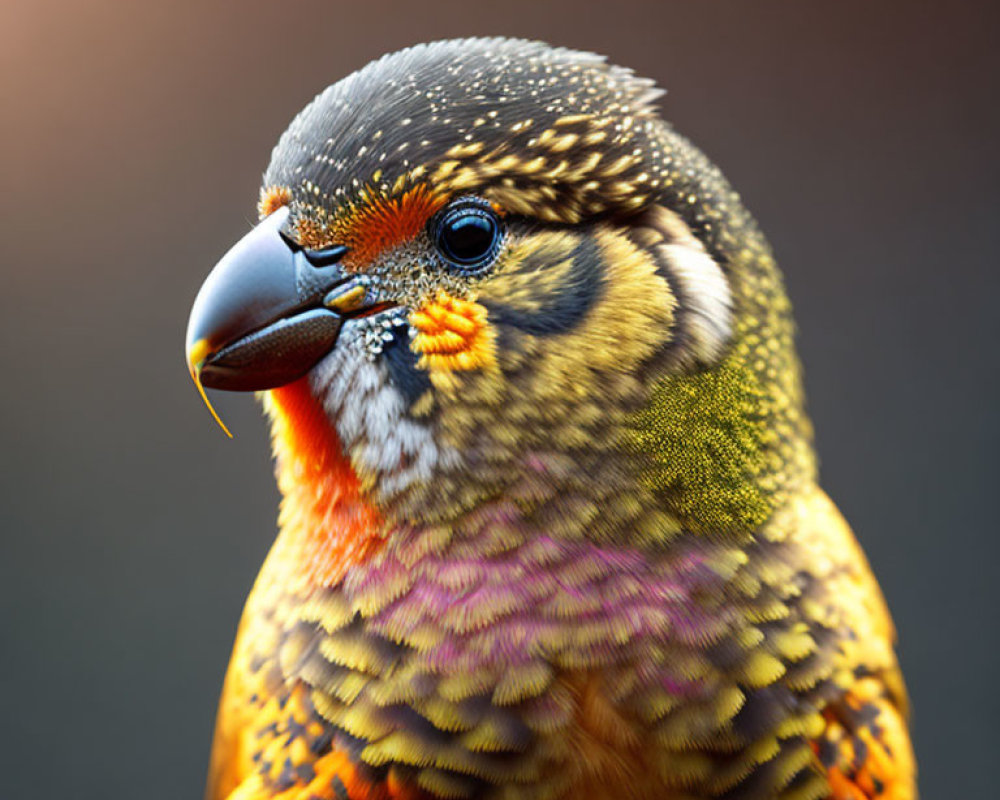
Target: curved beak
x=267 y=313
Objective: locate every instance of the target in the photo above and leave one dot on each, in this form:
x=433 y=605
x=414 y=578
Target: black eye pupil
x=469 y=236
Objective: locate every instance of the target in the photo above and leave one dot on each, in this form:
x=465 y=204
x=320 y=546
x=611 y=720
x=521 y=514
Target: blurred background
x=132 y=137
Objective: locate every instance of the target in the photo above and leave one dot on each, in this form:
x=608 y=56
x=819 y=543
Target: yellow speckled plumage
x=551 y=522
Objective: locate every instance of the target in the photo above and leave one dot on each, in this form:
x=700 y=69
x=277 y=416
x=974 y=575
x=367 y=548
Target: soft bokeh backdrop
x=132 y=137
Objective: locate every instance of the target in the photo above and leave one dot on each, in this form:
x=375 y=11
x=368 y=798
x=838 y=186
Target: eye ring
x=468 y=234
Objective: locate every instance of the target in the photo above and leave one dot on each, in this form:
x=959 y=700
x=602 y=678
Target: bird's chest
x=454 y=669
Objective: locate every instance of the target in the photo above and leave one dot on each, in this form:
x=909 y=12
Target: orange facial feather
x=271 y=199
x=378 y=225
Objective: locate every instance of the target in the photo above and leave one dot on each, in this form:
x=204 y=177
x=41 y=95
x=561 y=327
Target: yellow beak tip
x=197 y=354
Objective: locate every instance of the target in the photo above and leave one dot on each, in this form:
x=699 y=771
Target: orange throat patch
x=326 y=524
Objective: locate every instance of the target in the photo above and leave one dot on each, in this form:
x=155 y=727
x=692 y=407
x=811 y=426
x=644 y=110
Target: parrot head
x=492 y=267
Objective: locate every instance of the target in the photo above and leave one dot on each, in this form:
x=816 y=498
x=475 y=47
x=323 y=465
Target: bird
x=551 y=524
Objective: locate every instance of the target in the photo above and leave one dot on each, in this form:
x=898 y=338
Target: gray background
x=132 y=137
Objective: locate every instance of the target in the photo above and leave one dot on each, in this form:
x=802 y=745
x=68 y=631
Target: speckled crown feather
x=571 y=134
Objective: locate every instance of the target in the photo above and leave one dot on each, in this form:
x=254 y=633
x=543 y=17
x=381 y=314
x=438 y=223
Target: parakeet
x=551 y=525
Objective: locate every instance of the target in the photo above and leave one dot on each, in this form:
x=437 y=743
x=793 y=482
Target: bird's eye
x=468 y=233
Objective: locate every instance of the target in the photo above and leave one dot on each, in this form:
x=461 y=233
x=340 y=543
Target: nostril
x=326 y=256
x=292 y=245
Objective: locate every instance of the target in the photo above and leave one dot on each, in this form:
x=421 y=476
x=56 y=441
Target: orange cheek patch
x=271 y=199
x=452 y=335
